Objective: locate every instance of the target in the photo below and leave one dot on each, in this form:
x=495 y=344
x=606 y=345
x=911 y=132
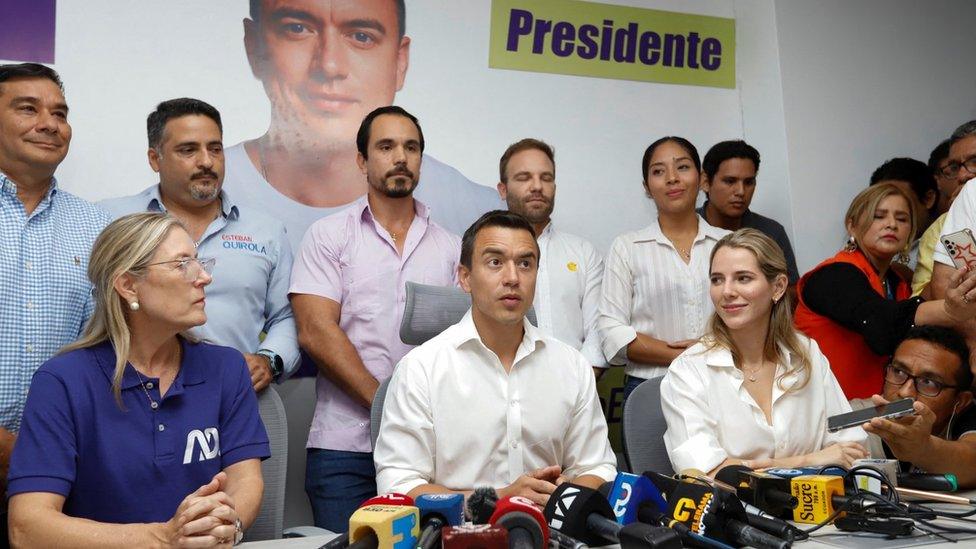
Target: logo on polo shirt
x=209 y=442
x=242 y=242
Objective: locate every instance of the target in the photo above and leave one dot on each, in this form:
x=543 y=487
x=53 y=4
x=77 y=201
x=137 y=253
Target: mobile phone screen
x=859 y=417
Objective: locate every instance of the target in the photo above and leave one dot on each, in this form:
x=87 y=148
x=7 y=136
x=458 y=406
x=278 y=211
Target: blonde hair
x=860 y=213
x=772 y=264
x=127 y=245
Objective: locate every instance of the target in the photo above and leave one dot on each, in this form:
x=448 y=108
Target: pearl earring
x=134 y=305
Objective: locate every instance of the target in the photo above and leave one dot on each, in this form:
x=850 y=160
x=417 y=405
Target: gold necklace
x=752 y=373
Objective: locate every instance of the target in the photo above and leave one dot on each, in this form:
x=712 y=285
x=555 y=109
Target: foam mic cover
x=582 y=513
x=474 y=536
x=629 y=492
x=436 y=512
x=525 y=524
x=392 y=498
x=816 y=494
x=481 y=504
x=395 y=526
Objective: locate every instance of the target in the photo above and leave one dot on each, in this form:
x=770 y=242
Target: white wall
x=864 y=82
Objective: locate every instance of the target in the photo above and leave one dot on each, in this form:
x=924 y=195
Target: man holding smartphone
x=931 y=365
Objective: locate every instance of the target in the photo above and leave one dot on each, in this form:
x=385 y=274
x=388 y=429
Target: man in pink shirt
x=348 y=292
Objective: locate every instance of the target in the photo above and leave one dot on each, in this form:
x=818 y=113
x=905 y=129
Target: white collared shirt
x=647 y=288
x=567 y=292
x=454 y=417
x=711 y=415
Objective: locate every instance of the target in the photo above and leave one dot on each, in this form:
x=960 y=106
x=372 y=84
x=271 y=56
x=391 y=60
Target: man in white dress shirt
x=567 y=296
x=493 y=401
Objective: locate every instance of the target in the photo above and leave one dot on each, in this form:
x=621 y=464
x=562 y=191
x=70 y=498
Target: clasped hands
x=205 y=518
x=535 y=485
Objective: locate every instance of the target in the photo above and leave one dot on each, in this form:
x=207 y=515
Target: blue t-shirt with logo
x=135 y=463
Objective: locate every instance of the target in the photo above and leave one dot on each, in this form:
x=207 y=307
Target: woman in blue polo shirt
x=136 y=435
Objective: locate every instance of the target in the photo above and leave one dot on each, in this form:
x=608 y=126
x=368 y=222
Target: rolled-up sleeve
x=691 y=438
x=591 y=308
x=616 y=301
x=282 y=338
x=404 y=453
x=586 y=446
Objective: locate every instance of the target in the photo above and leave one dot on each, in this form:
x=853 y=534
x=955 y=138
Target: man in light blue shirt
x=249 y=293
x=46 y=235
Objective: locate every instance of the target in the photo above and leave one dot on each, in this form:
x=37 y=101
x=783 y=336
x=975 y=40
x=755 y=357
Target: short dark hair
x=401 y=12
x=526 y=144
x=681 y=141
x=938 y=154
x=362 y=136
x=950 y=340
x=176 y=108
x=962 y=132
x=916 y=173
x=29 y=70
x=494 y=218
x=724 y=150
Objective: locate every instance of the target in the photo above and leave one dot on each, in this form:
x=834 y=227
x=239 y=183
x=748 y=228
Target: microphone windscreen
x=631 y=492
x=392 y=498
x=450 y=507
x=570 y=507
x=393 y=525
x=517 y=512
x=481 y=504
x=474 y=536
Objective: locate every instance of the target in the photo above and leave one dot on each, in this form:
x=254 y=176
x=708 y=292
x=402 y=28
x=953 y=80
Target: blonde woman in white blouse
x=654 y=300
x=754 y=391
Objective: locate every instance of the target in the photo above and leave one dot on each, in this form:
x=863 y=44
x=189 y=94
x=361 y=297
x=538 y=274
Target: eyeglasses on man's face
x=924 y=386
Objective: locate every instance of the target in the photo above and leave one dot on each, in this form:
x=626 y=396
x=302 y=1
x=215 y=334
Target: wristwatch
x=277 y=365
x=238 y=531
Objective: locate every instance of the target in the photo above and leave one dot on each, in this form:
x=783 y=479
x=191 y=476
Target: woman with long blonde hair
x=136 y=435
x=753 y=391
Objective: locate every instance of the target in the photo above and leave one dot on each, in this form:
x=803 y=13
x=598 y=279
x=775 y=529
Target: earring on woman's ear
x=851 y=244
x=134 y=305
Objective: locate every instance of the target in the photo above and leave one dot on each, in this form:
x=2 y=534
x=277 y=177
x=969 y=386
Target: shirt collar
x=653 y=232
x=361 y=208
x=228 y=208
x=720 y=357
x=467 y=331
x=8 y=186
x=191 y=367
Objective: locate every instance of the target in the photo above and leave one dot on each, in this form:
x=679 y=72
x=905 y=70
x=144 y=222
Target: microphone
x=481 y=504
x=436 y=512
x=767 y=492
x=392 y=498
x=714 y=514
x=474 y=536
x=629 y=493
x=930 y=482
x=582 y=513
x=526 y=527
x=374 y=526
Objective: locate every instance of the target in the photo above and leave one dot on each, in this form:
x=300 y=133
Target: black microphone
x=582 y=513
x=930 y=482
x=481 y=504
x=767 y=492
x=714 y=514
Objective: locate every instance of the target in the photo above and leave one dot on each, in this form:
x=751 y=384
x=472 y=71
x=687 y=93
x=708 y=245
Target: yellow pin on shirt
x=571 y=266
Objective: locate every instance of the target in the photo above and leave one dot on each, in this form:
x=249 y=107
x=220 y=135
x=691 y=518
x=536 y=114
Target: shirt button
x=29 y=348
x=149 y=385
x=514 y=403
x=514 y=444
x=154 y=405
x=30 y=304
x=28 y=265
x=162 y=427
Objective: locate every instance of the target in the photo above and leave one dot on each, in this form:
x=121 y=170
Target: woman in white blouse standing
x=754 y=391
x=655 y=287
